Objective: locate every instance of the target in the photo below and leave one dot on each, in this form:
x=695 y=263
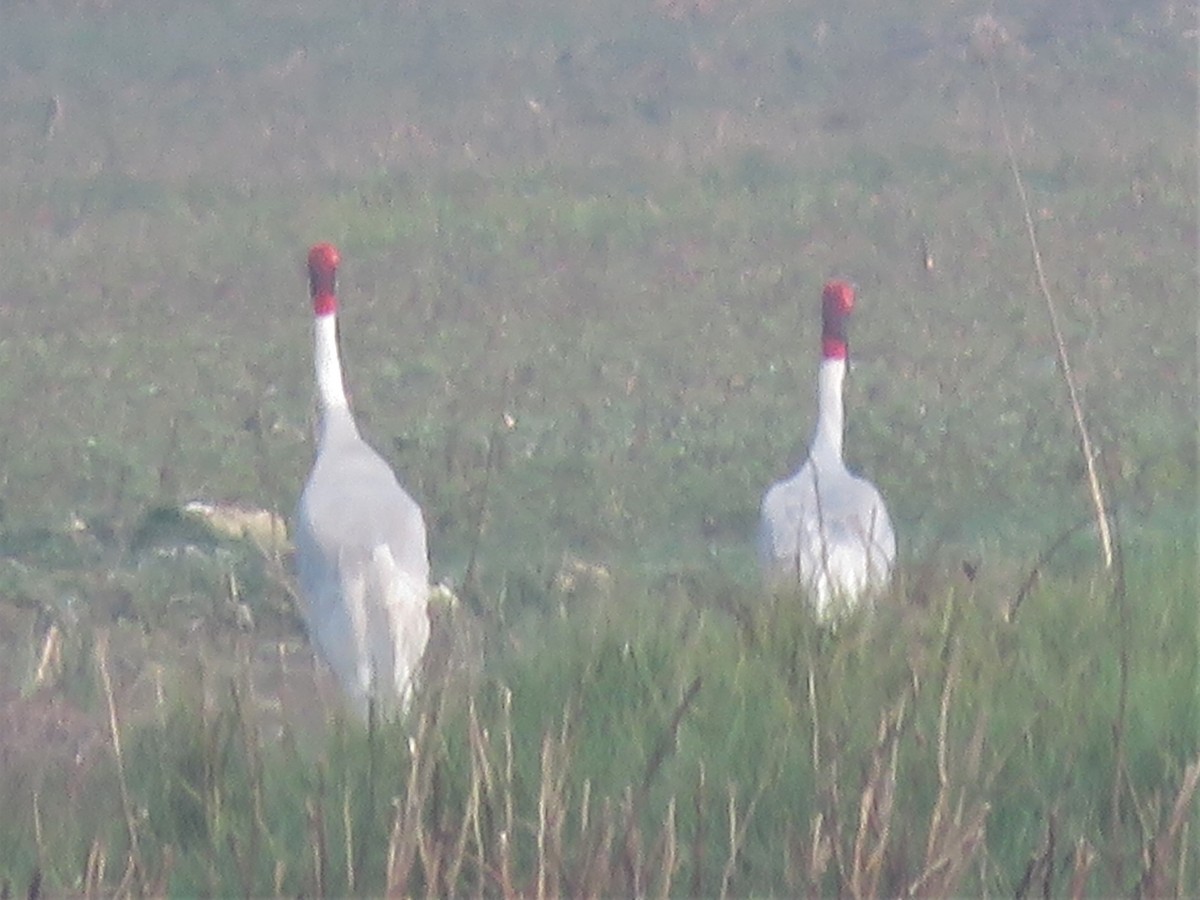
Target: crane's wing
x=398 y=622
x=333 y=605
x=880 y=540
x=786 y=526
x=368 y=618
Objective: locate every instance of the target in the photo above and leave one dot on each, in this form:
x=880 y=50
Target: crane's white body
x=826 y=531
x=361 y=556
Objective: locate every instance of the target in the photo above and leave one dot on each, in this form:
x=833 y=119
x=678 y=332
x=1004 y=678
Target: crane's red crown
x=323 y=260
x=837 y=300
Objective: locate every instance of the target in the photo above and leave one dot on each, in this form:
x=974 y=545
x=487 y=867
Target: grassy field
x=583 y=249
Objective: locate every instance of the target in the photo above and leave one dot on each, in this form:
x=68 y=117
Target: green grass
x=622 y=706
x=583 y=246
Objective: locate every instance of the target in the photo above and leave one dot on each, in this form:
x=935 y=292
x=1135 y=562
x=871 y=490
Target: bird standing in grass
x=361 y=555
x=825 y=531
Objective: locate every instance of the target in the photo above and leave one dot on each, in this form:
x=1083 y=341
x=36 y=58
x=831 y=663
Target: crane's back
x=352 y=501
x=826 y=531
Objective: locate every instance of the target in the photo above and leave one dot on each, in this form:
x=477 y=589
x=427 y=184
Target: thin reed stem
x=122 y=782
x=1064 y=363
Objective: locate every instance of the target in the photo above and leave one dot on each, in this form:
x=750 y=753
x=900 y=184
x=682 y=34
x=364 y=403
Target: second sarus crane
x=825 y=531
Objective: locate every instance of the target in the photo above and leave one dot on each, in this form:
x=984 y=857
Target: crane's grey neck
x=330 y=388
x=831 y=417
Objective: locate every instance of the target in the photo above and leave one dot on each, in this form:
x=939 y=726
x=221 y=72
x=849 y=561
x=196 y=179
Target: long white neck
x=831 y=416
x=331 y=392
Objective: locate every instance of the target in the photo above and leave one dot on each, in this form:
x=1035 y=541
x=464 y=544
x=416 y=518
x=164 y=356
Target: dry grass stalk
x=942 y=875
x=432 y=844
x=468 y=825
x=93 y=871
x=1064 y=363
x=875 y=806
x=1084 y=857
x=157 y=886
x=598 y=880
x=666 y=851
x=791 y=851
x=114 y=731
x=816 y=719
x=316 y=840
x=429 y=850
x=731 y=811
x=397 y=864
x=406 y=827
x=507 y=835
x=940 y=805
x=50 y=660
x=699 y=836
x=1043 y=864
x=551 y=789
x=737 y=835
x=1159 y=850
x=637 y=873
x=820 y=851
x=1039 y=864
x=348 y=830
x=254 y=746
x=1120 y=725
x=505 y=862
x=1181 y=879
x=39 y=838
x=243 y=726
x=482 y=791
x=631 y=850
x=825 y=844
x=585 y=804
x=955 y=834
x=833 y=802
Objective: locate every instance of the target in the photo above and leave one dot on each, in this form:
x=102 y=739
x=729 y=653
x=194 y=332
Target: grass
x=582 y=250
x=703 y=742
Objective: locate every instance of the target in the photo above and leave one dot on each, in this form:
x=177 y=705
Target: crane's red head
x=837 y=301
x=323 y=261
